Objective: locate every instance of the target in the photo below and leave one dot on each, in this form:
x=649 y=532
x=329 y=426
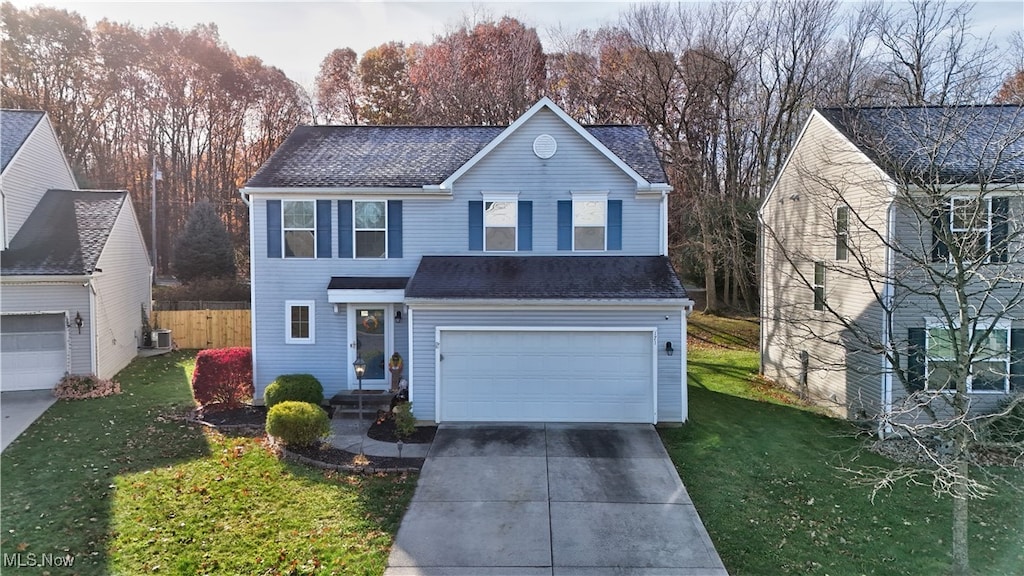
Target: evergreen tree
x=203 y=250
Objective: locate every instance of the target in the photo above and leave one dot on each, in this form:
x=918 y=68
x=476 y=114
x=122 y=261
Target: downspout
x=761 y=289
x=887 y=302
x=252 y=295
x=93 y=333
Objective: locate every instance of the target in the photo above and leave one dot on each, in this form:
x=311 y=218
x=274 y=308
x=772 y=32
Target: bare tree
x=337 y=87
x=896 y=263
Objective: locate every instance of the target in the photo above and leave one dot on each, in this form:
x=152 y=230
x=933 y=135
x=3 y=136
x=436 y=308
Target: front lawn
x=765 y=478
x=125 y=486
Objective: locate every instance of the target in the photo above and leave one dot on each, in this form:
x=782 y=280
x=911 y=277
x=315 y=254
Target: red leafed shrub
x=223 y=377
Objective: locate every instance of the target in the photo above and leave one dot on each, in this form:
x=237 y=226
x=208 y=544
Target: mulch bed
x=252 y=419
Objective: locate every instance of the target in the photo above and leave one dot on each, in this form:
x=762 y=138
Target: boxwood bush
x=297 y=423
x=297 y=387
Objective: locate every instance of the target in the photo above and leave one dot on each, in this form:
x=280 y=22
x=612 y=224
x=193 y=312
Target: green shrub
x=297 y=423
x=297 y=387
x=405 y=422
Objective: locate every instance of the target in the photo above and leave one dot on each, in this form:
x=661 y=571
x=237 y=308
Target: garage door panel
x=567 y=376
x=33 y=351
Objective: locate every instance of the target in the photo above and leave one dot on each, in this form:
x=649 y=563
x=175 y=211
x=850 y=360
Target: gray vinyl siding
x=843 y=374
x=70 y=298
x=1002 y=284
x=671 y=381
x=38 y=166
x=122 y=290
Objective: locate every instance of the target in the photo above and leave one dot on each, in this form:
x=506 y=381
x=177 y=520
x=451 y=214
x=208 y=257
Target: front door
x=371 y=341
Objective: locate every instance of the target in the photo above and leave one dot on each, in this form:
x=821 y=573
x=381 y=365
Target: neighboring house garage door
x=34 y=351
x=546 y=376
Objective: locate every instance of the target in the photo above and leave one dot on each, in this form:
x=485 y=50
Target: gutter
x=563 y=304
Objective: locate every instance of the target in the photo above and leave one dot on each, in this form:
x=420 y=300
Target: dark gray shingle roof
x=65 y=234
x=412 y=156
x=939 y=144
x=545 y=277
x=15 y=126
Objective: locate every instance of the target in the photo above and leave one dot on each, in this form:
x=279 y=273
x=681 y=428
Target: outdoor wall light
x=79 y=321
x=668 y=348
x=398 y=316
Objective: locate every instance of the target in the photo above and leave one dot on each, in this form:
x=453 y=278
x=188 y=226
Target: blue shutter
x=1017 y=360
x=273 y=228
x=323 y=228
x=525 y=226
x=615 y=224
x=565 y=224
x=394 y=228
x=917 y=342
x=1000 y=229
x=344 y=228
x=476 y=225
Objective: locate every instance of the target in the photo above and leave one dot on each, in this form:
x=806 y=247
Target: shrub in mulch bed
x=384 y=430
x=223 y=377
x=328 y=457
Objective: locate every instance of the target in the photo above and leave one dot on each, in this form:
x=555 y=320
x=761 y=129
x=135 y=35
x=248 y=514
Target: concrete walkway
x=19 y=410
x=349 y=433
x=551 y=499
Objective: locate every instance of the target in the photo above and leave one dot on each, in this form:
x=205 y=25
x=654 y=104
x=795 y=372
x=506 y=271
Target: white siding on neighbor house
x=1001 y=284
x=843 y=374
x=38 y=166
x=71 y=298
x=122 y=289
x=671 y=381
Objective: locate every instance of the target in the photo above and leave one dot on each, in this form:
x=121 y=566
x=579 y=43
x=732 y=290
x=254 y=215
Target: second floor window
x=298 y=219
x=589 y=223
x=978 y=229
x=819 y=286
x=842 y=232
x=371 y=229
x=500 y=220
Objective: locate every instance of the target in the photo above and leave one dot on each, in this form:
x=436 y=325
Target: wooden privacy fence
x=206 y=328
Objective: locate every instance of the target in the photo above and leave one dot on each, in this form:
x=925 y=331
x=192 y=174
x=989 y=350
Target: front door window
x=370 y=341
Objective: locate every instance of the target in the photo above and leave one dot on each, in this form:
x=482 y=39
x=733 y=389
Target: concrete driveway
x=19 y=411
x=552 y=499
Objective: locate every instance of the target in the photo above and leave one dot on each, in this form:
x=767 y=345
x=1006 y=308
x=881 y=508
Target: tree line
x=723 y=88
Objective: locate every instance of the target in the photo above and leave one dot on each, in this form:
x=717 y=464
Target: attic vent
x=545 y=146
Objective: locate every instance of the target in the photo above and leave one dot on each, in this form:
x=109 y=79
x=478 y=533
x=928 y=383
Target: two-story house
x=521 y=272
x=889 y=234
x=74 y=272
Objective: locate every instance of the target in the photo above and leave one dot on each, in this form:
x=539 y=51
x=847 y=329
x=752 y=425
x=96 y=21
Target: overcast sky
x=295 y=36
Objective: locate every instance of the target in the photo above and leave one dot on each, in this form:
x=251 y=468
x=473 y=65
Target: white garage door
x=545 y=376
x=33 y=351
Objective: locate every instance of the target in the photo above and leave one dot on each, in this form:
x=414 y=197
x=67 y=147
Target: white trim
x=684 y=391
x=554 y=304
x=409 y=364
x=285 y=230
x=663 y=224
x=985 y=323
x=653 y=330
x=369 y=296
x=546 y=102
x=589 y=197
x=355 y=231
x=93 y=333
x=508 y=198
x=81 y=279
x=252 y=294
x=288 y=305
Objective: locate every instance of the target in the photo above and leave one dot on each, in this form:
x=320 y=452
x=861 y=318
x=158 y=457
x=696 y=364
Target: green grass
x=125 y=486
x=765 y=477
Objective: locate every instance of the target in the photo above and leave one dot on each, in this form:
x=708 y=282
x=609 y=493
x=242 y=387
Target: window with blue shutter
x=917 y=343
x=525 y=226
x=565 y=224
x=1000 y=229
x=615 y=224
x=394 y=228
x=1017 y=360
x=940 y=229
x=273 y=228
x=476 y=225
x=344 y=228
x=323 y=228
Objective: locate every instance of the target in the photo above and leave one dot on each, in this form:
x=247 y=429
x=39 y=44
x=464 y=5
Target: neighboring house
x=863 y=234
x=69 y=256
x=520 y=271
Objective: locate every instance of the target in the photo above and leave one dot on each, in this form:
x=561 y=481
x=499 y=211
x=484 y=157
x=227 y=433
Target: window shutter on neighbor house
x=273 y=228
x=323 y=228
x=525 y=224
x=565 y=224
x=344 y=228
x=476 y=225
x=940 y=229
x=615 y=224
x=916 y=338
x=1017 y=360
x=394 y=228
x=1000 y=229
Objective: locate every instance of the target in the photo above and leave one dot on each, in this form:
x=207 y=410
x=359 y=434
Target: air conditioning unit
x=162 y=339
